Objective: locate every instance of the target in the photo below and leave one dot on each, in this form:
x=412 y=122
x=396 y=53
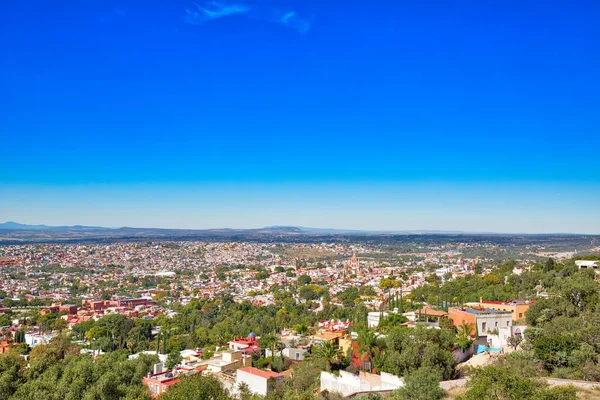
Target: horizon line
x=302 y=228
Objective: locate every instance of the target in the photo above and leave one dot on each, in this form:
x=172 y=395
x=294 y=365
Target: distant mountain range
x=10 y=225
x=275 y=229
x=16 y=233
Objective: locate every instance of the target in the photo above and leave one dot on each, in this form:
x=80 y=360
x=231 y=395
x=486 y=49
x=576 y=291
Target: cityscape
x=295 y=318
x=299 y=200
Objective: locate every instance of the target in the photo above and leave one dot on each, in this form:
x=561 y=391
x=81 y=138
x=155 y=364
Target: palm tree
x=368 y=346
x=465 y=329
x=328 y=352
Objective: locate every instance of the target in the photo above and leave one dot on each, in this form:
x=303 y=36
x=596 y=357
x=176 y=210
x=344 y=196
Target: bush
x=421 y=384
x=558 y=393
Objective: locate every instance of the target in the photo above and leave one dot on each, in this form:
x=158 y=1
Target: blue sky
x=469 y=115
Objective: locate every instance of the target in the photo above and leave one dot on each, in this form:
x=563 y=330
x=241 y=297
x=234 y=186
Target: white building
x=374 y=317
x=34 y=339
x=258 y=381
x=292 y=353
x=501 y=338
x=587 y=264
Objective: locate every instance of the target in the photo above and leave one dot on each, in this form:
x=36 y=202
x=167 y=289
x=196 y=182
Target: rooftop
x=485 y=311
x=260 y=372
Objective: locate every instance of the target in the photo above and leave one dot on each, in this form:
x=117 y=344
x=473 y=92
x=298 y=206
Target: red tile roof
x=261 y=373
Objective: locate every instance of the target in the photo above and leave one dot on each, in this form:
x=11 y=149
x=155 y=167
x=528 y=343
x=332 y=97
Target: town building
x=227 y=360
x=585 y=264
x=517 y=308
x=35 y=339
x=160 y=382
x=246 y=345
x=484 y=321
x=258 y=381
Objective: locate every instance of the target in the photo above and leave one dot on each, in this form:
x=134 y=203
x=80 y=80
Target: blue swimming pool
x=481 y=348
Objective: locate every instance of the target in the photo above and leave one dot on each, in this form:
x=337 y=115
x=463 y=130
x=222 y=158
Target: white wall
x=391 y=382
x=374 y=317
x=348 y=383
x=256 y=384
x=493 y=321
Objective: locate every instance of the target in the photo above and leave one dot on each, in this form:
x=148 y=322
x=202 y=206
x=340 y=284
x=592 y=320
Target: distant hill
x=10 y=225
x=17 y=226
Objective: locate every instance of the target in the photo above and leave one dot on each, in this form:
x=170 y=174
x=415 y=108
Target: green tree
x=499 y=382
x=173 y=359
x=329 y=352
x=421 y=384
x=197 y=387
x=304 y=280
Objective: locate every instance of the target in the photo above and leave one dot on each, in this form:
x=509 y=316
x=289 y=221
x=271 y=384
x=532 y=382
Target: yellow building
x=516 y=307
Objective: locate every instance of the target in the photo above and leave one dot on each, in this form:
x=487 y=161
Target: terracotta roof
x=431 y=312
x=260 y=372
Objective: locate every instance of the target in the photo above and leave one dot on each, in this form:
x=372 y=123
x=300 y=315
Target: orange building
x=160 y=382
x=485 y=320
x=4 y=347
x=458 y=316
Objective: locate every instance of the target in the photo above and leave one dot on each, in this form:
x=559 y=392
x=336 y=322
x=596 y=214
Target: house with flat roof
x=518 y=308
x=483 y=320
x=160 y=382
x=584 y=264
x=258 y=381
x=227 y=360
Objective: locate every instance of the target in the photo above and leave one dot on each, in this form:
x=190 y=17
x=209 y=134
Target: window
x=520 y=315
x=483 y=326
x=496 y=324
x=366 y=365
x=507 y=323
x=297 y=356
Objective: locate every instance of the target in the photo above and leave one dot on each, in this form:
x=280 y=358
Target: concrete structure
x=258 y=381
x=484 y=321
x=348 y=384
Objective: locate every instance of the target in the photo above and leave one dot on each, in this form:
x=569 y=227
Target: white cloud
x=213 y=10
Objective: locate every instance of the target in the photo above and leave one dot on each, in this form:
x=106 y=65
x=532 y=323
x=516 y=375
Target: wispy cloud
x=292 y=20
x=213 y=10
